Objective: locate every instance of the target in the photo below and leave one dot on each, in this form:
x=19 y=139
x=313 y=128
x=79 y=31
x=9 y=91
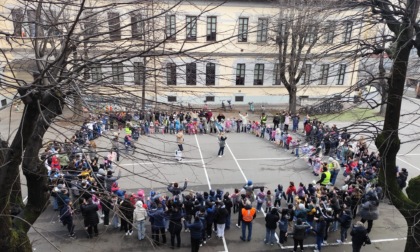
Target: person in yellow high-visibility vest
x=325 y=177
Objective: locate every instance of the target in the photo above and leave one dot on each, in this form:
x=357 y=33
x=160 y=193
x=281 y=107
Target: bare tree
x=401 y=19
x=82 y=52
x=310 y=32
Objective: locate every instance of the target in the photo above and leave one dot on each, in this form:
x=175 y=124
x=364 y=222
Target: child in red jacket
x=290 y=191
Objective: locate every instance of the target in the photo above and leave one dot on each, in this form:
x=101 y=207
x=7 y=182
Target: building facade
x=194 y=51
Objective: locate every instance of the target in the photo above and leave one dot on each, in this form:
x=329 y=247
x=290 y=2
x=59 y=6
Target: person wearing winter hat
x=139 y=216
x=220 y=220
x=271 y=220
x=248 y=215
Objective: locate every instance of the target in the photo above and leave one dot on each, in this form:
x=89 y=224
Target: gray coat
x=222 y=141
x=369 y=210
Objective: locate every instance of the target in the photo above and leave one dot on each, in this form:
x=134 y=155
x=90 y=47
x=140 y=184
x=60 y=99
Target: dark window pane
x=171 y=74
x=191 y=74
x=210 y=74
x=259 y=74
x=240 y=74
x=114 y=26
x=211 y=28
x=243 y=30
x=191 y=28
x=171 y=27
x=239 y=98
x=17 y=17
x=139 y=73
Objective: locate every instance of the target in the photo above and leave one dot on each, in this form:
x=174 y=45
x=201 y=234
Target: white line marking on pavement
x=409 y=154
x=346 y=243
x=208 y=181
x=157 y=162
x=257 y=159
x=24 y=200
x=408 y=163
x=246 y=180
x=202 y=161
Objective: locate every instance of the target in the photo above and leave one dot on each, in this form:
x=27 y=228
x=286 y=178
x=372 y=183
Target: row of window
x=191 y=74
x=262 y=29
x=172 y=98
x=117 y=71
x=90 y=23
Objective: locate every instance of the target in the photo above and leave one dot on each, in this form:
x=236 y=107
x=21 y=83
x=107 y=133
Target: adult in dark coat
x=358 y=234
x=91 y=219
x=271 y=220
x=127 y=210
x=220 y=219
x=196 y=229
x=175 y=225
x=369 y=208
x=299 y=234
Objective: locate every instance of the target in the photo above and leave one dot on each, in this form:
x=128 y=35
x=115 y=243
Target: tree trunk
x=78 y=112
x=13 y=236
x=384 y=98
x=12 y=239
x=388 y=143
x=292 y=99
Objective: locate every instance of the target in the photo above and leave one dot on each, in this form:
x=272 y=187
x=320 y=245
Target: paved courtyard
x=246 y=157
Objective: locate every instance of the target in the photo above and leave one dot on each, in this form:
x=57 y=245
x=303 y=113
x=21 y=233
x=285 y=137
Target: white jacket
x=140 y=212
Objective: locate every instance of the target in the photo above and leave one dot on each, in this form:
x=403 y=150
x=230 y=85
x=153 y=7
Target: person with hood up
x=220 y=219
x=157 y=218
x=248 y=215
x=299 y=234
x=196 y=229
x=91 y=219
x=279 y=195
x=345 y=222
x=139 y=216
x=358 y=236
x=175 y=215
x=271 y=220
x=127 y=209
x=369 y=208
x=402 y=178
x=249 y=190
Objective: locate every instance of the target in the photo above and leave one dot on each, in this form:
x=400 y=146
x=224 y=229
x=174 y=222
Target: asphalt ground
x=258 y=159
x=153 y=166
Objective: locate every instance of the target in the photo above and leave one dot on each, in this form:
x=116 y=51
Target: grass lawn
x=355 y=114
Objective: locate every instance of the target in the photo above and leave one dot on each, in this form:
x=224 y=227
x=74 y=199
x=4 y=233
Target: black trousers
x=221 y=151
x=95 y=229
x=126 y=225
x=195 y=244
x=106 y=217
x=175 y=230
x=155 y=234
x=296 y=243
